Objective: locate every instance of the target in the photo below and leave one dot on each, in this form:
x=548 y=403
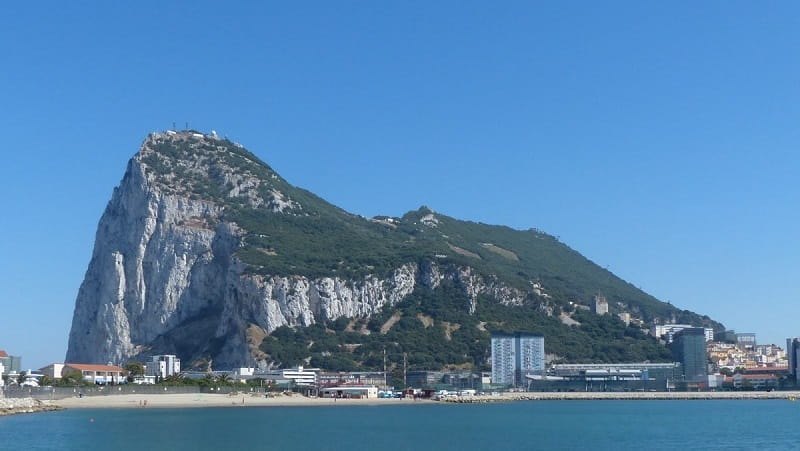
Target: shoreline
x=200 y=400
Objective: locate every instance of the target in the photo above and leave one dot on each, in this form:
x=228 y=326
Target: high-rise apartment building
x=516 y=355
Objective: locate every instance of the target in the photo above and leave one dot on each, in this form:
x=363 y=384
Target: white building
x=2 y=370
x=350 y=391
x=667 y=331
x=244 y=371
x=164 y=366
x=300 y=375
x=144 y=380
x=53 y=370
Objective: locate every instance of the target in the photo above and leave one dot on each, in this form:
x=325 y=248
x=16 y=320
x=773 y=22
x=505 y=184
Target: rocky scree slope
x=204 y=251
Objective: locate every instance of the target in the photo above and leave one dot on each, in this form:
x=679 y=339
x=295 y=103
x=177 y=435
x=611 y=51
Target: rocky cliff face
x=165 y=275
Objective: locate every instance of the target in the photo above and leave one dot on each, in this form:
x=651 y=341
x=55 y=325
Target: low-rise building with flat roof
x=299 y=375
x=98 y=374
x=350 y=391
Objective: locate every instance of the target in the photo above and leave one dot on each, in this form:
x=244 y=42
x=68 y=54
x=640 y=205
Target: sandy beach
x=191 y=400
x=188 y=400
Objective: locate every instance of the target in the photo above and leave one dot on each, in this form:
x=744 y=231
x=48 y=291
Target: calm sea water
x=647 y=425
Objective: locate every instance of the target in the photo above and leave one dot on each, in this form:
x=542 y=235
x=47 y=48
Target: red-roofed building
x=3 y=353
x=99 y=374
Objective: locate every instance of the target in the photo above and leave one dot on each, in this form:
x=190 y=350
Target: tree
x=134 y=369
x=46 y=381
x=70 y=379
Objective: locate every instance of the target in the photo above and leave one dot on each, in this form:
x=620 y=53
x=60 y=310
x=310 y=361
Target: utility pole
x=385 y=377
x=404 y=371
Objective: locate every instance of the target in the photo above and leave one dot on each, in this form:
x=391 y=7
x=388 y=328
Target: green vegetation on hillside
x=314 y=238
x=598 y=338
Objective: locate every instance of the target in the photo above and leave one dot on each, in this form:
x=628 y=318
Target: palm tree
x=224 y=379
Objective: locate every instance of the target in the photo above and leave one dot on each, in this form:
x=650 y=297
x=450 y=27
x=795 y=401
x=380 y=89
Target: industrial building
x=608 y=377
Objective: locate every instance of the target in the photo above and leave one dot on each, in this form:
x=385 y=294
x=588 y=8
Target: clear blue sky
x=660 y=140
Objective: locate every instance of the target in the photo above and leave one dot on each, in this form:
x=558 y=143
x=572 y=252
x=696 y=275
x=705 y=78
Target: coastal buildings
x=363 y=378
x=515 y=356
x=98 y=374
x=11 y=364
x=689 y=348
x=746 y=340
x=732 y=356
x=299 y=375
x=350 y=391
x=608 y=376
x=448 y=380
x=53 y=370
x=164 y=366
x=793 y=354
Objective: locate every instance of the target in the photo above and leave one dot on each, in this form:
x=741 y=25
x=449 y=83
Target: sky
x=660 y=140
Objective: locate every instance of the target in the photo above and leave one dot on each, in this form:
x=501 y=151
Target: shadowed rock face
x=164 y=276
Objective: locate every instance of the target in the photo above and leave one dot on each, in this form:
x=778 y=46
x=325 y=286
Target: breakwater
x=12 y=406
x=563 y=396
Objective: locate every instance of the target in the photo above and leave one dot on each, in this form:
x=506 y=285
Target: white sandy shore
x=214 y=400
x=218 y=400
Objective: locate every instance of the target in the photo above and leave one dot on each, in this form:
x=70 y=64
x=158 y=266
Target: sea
x=525 y=425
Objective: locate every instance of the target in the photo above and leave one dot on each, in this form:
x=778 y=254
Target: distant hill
x=205 y=251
